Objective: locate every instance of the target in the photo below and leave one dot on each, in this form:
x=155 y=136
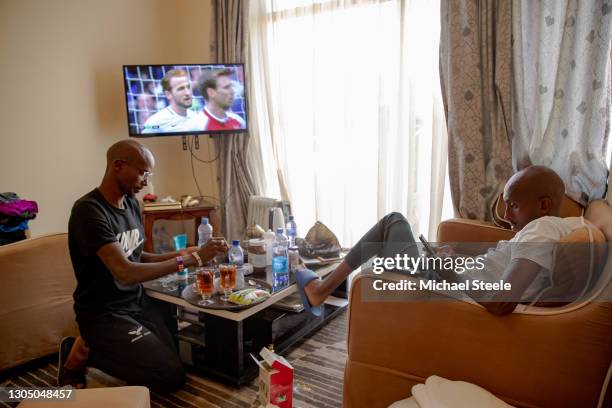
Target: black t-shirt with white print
x=94 y=222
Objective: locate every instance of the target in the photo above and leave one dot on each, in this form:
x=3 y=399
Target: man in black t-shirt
x=123 y=332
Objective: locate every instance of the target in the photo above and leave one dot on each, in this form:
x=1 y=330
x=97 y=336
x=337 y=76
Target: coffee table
x=218 y=342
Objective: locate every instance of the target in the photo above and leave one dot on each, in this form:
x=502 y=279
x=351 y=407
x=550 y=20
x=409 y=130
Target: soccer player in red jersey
x=218 y=91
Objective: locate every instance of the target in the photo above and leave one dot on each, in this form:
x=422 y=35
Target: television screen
x=164 y=100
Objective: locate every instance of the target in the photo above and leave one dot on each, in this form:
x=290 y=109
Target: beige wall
x=63 y=104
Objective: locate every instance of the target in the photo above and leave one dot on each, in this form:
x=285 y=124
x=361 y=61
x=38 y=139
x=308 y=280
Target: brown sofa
x=37 y=282
x=528 y=360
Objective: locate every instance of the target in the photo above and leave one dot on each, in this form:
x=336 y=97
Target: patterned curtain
x=609 y=194
x=235 y=180
x=562 y=90
x=475 y=74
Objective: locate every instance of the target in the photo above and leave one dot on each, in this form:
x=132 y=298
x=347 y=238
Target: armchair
x=538 y=357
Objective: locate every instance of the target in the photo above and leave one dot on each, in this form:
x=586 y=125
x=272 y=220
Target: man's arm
x=520 y=273
x=127 y=272
x=149 y=257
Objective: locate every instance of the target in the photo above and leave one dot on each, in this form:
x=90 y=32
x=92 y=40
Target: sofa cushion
x=128 y=397
x=573 y=264
x=36 y=299
x=572 y=261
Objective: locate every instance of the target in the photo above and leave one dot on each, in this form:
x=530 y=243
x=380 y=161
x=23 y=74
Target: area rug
x=319 y=369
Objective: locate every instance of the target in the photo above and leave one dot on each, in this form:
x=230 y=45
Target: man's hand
x=191 y=250
x=212 y=248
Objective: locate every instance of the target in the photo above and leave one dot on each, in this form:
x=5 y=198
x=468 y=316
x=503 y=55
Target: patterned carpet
x=319 y=369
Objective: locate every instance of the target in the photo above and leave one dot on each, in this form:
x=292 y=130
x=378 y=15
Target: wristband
x=197 y=258
x=180 y=263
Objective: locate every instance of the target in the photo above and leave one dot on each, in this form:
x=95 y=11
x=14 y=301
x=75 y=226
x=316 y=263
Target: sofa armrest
x=527 y=360
x=36 y=304
x=461 y=230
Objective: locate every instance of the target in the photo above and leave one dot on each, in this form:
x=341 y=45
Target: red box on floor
x=275 y=380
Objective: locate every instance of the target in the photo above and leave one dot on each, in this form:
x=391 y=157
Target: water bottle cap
x=279 y=230
x=291 y=218
x=205 y=221
x=235 y=242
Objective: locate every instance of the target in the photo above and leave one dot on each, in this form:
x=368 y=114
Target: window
x=347 y=101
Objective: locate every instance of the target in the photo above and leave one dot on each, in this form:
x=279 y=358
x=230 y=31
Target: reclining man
x=124 y=333
x=533 y=198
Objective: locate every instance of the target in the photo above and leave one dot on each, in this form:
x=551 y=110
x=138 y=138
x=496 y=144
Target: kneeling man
x=123 y=332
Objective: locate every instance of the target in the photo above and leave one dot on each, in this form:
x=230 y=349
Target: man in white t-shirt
x=176 y=117
x=534 y=243
x=533 y=199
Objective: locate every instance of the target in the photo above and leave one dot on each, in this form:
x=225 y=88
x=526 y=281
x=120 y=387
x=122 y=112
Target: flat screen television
x=184 y=99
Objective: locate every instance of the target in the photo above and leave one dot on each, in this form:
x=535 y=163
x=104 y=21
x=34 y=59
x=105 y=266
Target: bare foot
x=313 y=292
x=72 y=357
x=77 y=359
x=318 y=290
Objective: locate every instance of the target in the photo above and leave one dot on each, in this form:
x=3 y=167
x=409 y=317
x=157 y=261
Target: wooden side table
x=206 y=210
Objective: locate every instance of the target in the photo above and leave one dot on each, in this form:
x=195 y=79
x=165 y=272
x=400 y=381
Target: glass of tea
x=205 y=278
x=227 y=273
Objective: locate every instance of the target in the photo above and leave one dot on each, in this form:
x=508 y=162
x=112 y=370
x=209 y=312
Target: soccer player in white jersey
x=177 y=117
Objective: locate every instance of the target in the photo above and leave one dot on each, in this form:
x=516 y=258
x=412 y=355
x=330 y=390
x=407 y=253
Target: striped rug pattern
x=319 y=369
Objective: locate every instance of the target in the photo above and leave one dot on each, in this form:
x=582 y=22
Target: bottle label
x=279 y=264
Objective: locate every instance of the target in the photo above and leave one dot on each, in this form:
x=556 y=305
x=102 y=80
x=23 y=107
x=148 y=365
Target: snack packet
x=248 y=296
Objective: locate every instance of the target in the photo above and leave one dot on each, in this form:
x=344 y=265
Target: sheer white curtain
x=346 y=109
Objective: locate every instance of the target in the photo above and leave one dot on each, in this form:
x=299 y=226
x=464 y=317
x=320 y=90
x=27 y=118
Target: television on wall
x=184 y=99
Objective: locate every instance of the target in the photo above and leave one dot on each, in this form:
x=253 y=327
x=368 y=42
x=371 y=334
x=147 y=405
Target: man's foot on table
x=307 y=282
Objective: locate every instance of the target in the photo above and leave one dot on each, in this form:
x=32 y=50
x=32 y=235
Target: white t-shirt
x=167 y=120
x=535 y=242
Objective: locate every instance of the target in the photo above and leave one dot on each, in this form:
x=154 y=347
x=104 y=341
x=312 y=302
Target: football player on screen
x=218 y=91
x=176 y=117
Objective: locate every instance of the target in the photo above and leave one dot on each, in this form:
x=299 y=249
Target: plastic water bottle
x=157 y=242
x=269 y=239
x=280 y=262
x=236 y=257
x=165 y=241
x=205 y=232
x=291 y=228
x=235 y=254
